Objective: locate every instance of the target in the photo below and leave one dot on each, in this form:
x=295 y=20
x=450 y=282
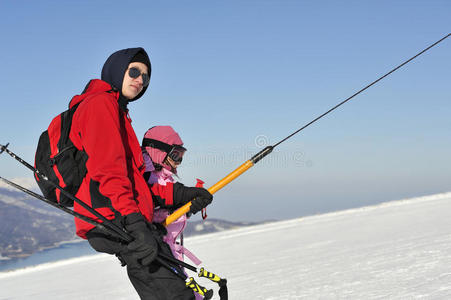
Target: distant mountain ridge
x=28 y=225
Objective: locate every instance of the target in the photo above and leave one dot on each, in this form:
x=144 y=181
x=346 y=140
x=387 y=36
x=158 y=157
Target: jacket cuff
x=133 y=218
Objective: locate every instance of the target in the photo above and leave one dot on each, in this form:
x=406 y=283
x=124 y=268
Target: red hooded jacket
x=114 y=183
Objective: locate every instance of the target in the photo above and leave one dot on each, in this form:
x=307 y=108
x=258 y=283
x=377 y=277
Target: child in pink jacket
x=163 y=152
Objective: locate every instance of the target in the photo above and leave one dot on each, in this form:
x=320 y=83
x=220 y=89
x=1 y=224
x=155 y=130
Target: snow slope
x=397 y=250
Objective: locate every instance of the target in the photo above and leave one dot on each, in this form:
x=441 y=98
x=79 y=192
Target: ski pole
x=63 y=208
x=192 y=284
x=107 y=226
x=100 y=226
x=88 y=220
x=107 y=222
x=161 y=257
x=251 y=162
x=213 y=277
x=179 y=262
x=222 y=282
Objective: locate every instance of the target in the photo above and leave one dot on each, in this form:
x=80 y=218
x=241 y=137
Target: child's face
x=172 y=163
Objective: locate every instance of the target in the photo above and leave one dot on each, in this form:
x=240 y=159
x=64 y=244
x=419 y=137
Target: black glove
x=199 y=197
x=144 y=247
x=198 y=203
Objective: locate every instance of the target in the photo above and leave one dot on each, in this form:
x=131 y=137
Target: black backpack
x=59 y=160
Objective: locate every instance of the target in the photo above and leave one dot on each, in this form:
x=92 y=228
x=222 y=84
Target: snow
x=397 y=250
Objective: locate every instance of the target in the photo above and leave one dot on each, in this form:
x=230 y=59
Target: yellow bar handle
x=219 y=185
x=234 y=174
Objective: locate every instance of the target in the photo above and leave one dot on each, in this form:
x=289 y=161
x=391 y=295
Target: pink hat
x=165 y=134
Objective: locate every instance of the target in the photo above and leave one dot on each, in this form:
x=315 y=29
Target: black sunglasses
x=135 y=73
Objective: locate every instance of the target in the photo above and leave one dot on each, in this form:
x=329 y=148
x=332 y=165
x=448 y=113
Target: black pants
x=153 y=282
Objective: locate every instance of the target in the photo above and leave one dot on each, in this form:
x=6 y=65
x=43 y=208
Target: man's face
x=131 y=87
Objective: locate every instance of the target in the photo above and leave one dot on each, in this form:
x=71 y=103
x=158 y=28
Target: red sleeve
x=100 y=132
x=163 y=194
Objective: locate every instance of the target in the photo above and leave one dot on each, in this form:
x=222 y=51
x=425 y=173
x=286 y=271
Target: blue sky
x=230 y=76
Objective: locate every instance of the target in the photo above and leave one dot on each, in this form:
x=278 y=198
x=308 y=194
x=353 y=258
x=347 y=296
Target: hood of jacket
x=113 y=70
x=94 y=86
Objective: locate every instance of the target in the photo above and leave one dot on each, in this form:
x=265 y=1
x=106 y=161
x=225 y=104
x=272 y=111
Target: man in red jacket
x=114 y=183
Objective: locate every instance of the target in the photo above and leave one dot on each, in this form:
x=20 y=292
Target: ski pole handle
x=213 y=277
x=222 y=282
x=192 y=284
